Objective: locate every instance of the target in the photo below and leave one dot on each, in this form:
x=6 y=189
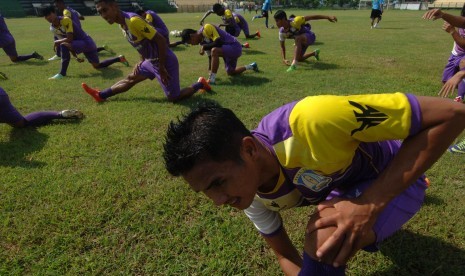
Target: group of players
x=336 y=151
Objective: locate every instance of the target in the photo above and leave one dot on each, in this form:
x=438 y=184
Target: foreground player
x=158 y=60
x=265 y=8
x=296 y=28
x=8 y=44
x=11 y=116
x=219 y=44
x=339 y=152
x=75 y=42
x=155 y=20
x=233 y=22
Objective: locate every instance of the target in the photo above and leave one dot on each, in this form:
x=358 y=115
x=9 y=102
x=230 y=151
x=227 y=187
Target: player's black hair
x=280 y=14
x=208 y=132
x=140 y=12
x=186 y=35
x=462 y=12
x=47 y=10
x=217 y=7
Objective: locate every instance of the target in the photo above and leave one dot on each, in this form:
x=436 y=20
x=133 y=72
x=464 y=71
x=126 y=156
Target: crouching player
x=158 y=61
x=338 y=152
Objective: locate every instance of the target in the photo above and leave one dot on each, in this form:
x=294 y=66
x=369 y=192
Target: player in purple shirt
x=11 y=116
x=155 y=20
x=75 y=42
x=233 y=22
x=217 y=43
x=8 y=44
x=337 y=152
x=158 y=61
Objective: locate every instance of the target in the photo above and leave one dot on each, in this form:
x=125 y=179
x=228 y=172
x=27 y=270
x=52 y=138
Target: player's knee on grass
x=315 y=239
x=13 y=58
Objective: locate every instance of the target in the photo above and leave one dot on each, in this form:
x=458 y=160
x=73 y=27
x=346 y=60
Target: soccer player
x=76 y=17
x=217 y=43
x=265 y=8
x=341 y=153
x=8 y=44
x=155 y=20
x=455 y=66
x=11 y=116
x=296 y=28
x=75 y=42
x=158 y=60
x=376 y=12
x=233 y=22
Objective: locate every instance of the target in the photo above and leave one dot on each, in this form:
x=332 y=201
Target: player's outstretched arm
x=442 y=121
x=455 y=35
x=451 y=84
x=330 y=18
x=288 y=257
x=456 y=21
x=205 y=16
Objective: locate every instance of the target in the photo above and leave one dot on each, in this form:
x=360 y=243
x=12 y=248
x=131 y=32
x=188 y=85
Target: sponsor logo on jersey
x=368 y=115
x=311 y=180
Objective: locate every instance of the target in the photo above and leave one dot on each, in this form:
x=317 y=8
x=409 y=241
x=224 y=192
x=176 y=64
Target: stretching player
x=11 y=116
x=75 y=42
x=8 y=44
x=158 y=61
x=233 y=22
x=155 y=20
x=76 y=17
x=217 y=43
x=296 y=28
x=338 y=152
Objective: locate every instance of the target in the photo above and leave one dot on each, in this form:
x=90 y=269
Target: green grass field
x=93 y=197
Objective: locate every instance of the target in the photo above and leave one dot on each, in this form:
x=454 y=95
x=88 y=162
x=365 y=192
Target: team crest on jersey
x=311 y=180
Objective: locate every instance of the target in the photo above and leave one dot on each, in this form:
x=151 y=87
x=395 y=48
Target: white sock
x=248 y=67
x=212 y=77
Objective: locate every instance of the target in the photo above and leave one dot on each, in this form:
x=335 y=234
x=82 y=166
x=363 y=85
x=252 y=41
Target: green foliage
x=93 y=197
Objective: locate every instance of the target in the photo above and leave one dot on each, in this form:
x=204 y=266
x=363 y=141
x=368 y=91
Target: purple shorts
x=311 y=37
x=7 y=42
x=400 y=210
x=231 y=53
x=451 y=67
x=8 y=114
x=149 y=69
x=88 y=48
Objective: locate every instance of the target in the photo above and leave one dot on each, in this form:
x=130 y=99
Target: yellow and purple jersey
x=69 y=26
x=139 y=34
x=155 y=20
x=73 y=14
x=324 y=143
x=297 y=27
x=212 y=33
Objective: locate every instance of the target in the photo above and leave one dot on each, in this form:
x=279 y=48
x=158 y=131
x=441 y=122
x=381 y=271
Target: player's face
x=51 y=17
x=226 y=183
x=109 y=12
x=281 y=23
x=195 y=39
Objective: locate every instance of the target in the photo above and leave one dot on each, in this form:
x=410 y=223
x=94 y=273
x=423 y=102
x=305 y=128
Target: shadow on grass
x=432 y=200
x=312 y=65
x=252 y=52
x=23 y=141
x=415 y=254
x=247 y=80
x=105 y=73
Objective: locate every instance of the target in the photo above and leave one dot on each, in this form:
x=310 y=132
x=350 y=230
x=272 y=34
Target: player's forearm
x=456 y=21
x=288 y=257
x=205 y=15
x=442 y=121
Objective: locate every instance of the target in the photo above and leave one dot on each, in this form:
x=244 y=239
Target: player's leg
x=92 y=57
x=141 y=72
x=10 y=50
x=216 y=53
x=65 y=59
x=245 y=29
x=461 y=86
x=265 y=14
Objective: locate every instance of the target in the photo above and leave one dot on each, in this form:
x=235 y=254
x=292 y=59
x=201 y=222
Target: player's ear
x=249 y=146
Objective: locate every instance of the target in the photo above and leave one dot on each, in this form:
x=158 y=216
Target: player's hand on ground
x=80 y=60
x=201 y=23
x=433 y=14
x=287 y=62
x=332 y=18
x=450 y=86
x=201 y=51
x=448 y=27
x=354 y=221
